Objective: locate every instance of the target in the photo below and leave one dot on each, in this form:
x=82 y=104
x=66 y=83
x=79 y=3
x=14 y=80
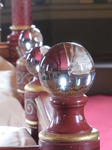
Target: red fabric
x=98 y=113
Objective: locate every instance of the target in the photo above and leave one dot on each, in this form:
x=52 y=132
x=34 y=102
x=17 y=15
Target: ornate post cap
x=67 y=70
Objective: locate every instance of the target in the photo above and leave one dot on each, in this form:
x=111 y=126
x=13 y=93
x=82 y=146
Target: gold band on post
x=4 y=46
x=34 y=88
x=50 y=137
x=20 y=27
x=31 y=123
x=14 y=27
x=20 y=91
x=21 y=62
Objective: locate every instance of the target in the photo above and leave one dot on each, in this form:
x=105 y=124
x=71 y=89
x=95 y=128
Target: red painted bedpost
x=67 y=72
x=69 y=128
x=21 y=19
x=33 y=90
x=28 y=39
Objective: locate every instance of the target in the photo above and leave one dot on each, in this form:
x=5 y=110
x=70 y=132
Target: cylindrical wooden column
x=33 y=90
x=23 y=77
x=21 y=12
x=21 y=19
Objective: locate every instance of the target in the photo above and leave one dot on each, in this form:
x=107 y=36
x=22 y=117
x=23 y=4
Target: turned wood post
x=21 y=12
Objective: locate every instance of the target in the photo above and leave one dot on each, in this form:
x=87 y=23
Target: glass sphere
x=34 y=57
x=67 y=69
x=30 y=38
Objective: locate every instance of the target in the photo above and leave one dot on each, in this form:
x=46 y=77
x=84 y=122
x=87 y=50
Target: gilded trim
x=20 y=27
x=50 y=137
x=31 y=123
x=21 y=62
x=14 y=27
x=33 y=88
x=20 y=91
x=4 y=46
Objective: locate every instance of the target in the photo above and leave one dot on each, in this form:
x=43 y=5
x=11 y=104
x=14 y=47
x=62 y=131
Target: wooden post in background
x=21 y=19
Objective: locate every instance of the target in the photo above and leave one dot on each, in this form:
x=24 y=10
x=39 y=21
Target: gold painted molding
x=19 y=27
x=50 y=137
x=31 y=123
x=4 y=46
x=20 y=91
x=14 y=27
x=34 y=88
x=21 y=62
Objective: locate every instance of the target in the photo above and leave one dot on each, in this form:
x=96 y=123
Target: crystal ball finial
x=34 y=57
x=30 y=38
x=67 y=69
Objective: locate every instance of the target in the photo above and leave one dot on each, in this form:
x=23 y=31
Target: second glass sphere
x=30 y=38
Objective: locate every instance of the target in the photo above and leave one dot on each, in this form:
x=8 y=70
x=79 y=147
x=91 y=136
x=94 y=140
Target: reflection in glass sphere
x=67 y=69
x=30 y=38
x=34 y=57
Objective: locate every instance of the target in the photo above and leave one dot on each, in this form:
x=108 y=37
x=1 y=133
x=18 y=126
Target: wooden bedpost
x=34 y=90
x=66 y=73
x=21 y=19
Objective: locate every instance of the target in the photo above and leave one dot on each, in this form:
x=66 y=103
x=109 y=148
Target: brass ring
x=21 y=62
x=50 y=137
x=33 y=88
x=14 y=27
x=32 y=123
x=20 y=91
x=4 y=46
x=21 y=27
